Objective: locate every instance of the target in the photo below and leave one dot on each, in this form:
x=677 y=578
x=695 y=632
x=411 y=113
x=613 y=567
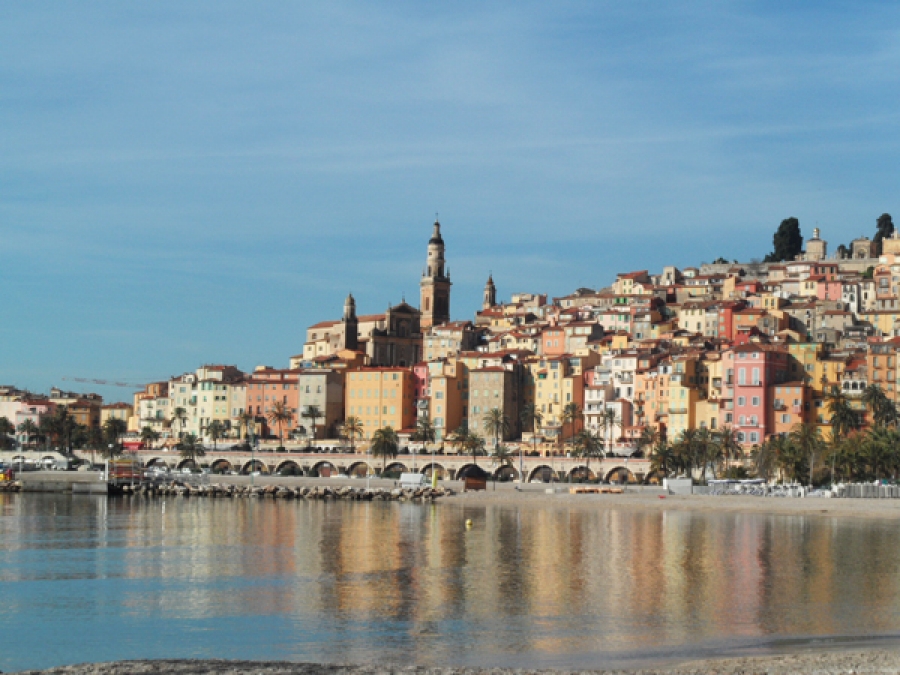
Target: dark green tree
x=788 y=241
x=884 y=229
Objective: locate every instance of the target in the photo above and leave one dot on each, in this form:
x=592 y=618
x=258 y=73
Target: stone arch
x=158 y=462
x=254 y=465
x=188 y=464
x=582 y=473
x=361 y=469
x=467 y=469
x=506 y=473
x=620 y=475
x=324 y=467
x=542 y=474
x=396 y=467
x=437 y=468
x=654 y=478
x=220 y=465
x=289 y=468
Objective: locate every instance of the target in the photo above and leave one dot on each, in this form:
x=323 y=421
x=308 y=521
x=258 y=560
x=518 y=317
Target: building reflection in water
x=409 y=582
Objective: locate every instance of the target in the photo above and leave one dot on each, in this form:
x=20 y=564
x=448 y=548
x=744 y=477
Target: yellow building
x=381 y=397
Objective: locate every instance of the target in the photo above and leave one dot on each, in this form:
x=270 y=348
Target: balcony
x=778 y=405
x=797 y=409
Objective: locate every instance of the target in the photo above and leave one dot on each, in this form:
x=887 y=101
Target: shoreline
x=653 y=502
x=824 y=661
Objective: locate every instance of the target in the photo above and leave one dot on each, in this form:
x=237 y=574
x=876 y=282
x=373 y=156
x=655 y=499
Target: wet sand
x=822 y=663
x=651 y=501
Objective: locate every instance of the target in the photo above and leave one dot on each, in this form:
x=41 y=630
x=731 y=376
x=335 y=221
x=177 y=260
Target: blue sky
x=187 y=183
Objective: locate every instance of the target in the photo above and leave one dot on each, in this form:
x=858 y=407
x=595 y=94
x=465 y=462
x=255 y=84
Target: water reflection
x=408 y=583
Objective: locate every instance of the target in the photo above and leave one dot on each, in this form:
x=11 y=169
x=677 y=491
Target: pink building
x=756 y=368
x=421 y=391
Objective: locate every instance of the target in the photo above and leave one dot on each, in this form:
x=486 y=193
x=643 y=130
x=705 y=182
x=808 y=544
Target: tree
x=501 y=455
x=7 y=428
x=608 y=420
x=570 y=414
x=180 y=416
x=191 y=448
x=459 y=439
x=475 y=445
x=587 y=445
x=278 y=414
x=531 y=416
x=29 y=429
x=648 y=438
x=244 y=420
x=351 y=429
x=729 y=448
x=113 y=428
x=844 y=418
x=215 y=430
x=385 y=443
x=662 y=458
x=884 y=412
x=496 y=424
x=149 y=436
x=313 y=413
x=424 y=432
x=788 y=241
x=884 y=228
x=808 y=440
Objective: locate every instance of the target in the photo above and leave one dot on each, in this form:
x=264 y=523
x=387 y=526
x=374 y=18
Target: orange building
x=381 y=397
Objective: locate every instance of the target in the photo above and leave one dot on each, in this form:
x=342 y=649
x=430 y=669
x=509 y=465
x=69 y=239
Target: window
x=742 y=376
x=742 y=400
x=755 y=400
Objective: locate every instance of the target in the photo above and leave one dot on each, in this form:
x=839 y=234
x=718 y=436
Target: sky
x=191 y=183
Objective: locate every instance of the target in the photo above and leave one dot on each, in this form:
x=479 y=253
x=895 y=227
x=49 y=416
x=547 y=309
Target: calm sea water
x=91 y=579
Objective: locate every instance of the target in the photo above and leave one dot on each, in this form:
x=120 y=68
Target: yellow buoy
x=469 y=524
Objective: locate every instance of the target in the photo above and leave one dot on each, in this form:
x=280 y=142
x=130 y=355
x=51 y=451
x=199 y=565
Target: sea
x=89 y=579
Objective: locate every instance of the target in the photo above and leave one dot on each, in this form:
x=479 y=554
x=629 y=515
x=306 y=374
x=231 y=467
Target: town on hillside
x=748 y=351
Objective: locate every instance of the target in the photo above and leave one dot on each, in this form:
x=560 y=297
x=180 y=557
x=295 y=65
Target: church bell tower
x=435 y=284
x=490 y=293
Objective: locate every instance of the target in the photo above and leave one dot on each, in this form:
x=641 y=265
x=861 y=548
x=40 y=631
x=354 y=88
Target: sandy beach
x=645 y=500
x=820 y=663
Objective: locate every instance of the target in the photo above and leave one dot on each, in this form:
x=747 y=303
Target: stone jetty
x=220 y=491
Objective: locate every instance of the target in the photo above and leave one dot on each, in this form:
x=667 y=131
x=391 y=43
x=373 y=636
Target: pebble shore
x=856 y=662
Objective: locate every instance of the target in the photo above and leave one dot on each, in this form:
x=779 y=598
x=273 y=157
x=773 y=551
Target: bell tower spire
x=435 y=284
x=490 y=293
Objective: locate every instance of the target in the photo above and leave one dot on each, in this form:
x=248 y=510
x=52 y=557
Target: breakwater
x=228 y=491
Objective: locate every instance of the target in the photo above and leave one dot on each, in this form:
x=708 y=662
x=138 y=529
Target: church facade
x=394 y=338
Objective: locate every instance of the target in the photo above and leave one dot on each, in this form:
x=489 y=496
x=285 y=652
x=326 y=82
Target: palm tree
x=244 y=420
x=459 y=439
x=215 y=430
x=789 y=457
x=708 y=450
x=475 y=445
x=190 y=447
x=278 y=414
x=501 y=455
x=497 y=424
x=808 y=441
x=765 y=457
x=351 y=430
x=313 y=413
x=662 y=458
x=649 y=437
x=587 y=445
x=385 y=443
x=844 y=418
x=608 y=420
x=686 y=451
x=884 y=412
x=729 y=448
x=29 y=429
x=113 y=428
x=149 y=436
x=531 y=416
x=879 y=448
x=180 y=416
x=424 y=432
x=570 y=414
x=7 y=428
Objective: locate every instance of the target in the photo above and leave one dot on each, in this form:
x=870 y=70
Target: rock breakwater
x=228 y=491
